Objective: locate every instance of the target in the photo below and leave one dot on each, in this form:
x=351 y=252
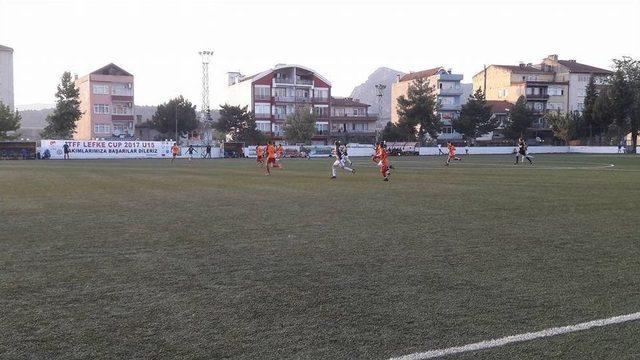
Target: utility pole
x=176 y=119
x=379 y=93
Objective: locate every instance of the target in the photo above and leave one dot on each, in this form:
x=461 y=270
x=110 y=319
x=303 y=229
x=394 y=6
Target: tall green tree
x=520 y=119
x=475 y=117
x=177 y=109
x=588 y=116
x=239 y=124
x=62 y=123
x=9 y=122
x=603 y=113
x=300 y=126
x=233 y=120
x=417 y=111
x=393 y=132
x=563 y=125
x=625 y=96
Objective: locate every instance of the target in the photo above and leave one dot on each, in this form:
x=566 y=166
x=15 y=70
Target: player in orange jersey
x=259 y=153
x=271 y=157
x=174 y=152
x=383 y=162
x=452 y=154
x=279 y=154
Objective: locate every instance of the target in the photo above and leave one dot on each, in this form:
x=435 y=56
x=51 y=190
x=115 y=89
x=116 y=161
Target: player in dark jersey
x=339 y=153
x=522 y=152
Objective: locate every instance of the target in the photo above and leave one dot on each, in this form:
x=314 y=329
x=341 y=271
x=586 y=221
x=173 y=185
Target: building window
x=101 y=109
x=125 y=89
x=321 y=111
x=101 y=89
x=555 y=91
x=502 y=93
x=529 y=91
x=321 y=94
x=583 y=78
x=447 y=129
x=263 y=109
x=262 y=92
x=102 y=128
x=263 y=126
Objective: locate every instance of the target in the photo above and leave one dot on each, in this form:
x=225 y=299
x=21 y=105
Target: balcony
x=115 y=117
x=280 y=116
x=285 y=81
x=303 y=99
x=263 y=116
x=262 y=97
x=285 y=98
x=543 y=97
x=450 y=91
x=304 y=82
x=320 y=99
x=353 y=132
x=450 y=77
x=449 y=107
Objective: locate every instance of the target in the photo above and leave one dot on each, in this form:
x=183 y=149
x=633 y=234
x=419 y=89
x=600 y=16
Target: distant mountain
x=38 y=106
x=367 y=93
x=467 y=90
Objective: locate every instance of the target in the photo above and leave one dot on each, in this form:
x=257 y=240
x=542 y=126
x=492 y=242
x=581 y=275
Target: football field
x=213 y=260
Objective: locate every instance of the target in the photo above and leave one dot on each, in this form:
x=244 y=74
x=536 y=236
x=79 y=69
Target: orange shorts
x=271 y=160
x=259 y=158
x=384 y=168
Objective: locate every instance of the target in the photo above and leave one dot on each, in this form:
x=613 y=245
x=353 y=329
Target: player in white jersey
x=339 y=153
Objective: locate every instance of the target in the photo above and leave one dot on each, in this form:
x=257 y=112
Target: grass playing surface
x=143 y=259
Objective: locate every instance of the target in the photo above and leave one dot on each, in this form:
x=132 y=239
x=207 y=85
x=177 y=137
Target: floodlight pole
x=379 y=93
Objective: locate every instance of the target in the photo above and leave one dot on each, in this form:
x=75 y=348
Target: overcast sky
x=344 y=40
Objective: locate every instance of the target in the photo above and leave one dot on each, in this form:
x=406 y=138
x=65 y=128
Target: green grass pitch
x=214 y=260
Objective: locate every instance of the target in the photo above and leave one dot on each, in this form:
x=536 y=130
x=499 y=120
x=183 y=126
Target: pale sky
x=344 y=40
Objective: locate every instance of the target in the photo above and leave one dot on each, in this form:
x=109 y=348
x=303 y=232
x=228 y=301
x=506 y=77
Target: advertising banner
x=106 y=149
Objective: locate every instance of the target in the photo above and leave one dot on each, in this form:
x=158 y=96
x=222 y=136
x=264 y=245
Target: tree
x=393 y=132
x=250 y=135
x=475 y=117
x=233 y=121
x=588 y=117
x=563 y=125
x=417 y=111
x=520 y=119
x=602 y=113
x=62 y=123
x=9 y=121
x=178 y=109
x=300 y=126
x=625 y=96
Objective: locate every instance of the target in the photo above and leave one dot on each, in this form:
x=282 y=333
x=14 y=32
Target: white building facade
x=6 y=76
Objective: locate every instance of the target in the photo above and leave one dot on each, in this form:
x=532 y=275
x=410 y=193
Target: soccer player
x=259 y=159
x=383 y=162
x=65 y=150
x=452 y=154
x=338 y=153
x=271 y=157
x=345 y=156
x=208 y=152
x=174 y=152
x=279 y=154
x=190 y=151
x=522 y=152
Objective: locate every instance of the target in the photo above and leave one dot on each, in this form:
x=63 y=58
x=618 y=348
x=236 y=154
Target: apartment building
x=577 y=76
x=552 y=85
x=106 y=101
x=350 y=117
x=274 y=94
x=449 y=94
x=6 y=76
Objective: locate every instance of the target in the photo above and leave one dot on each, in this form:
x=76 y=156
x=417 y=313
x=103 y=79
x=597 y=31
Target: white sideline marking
x=488 y=344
